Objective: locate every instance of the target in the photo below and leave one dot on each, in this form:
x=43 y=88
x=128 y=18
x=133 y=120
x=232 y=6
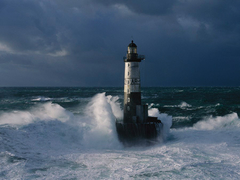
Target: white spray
x=165 y=118
x=102 y=131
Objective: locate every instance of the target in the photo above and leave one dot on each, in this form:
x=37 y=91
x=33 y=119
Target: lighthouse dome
x=132 y=44
x=132 y=48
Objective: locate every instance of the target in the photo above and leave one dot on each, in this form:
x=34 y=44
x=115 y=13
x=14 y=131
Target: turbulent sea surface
x=69 y=133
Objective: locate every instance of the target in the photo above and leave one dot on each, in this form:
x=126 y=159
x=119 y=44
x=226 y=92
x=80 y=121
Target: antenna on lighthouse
x=132 y=37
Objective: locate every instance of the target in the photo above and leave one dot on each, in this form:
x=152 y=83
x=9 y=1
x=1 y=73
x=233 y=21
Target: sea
x=69 y=133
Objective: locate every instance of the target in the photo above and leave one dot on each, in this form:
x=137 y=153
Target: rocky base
x=139 y=133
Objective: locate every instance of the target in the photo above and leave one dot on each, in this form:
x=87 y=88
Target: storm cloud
x=82 y=42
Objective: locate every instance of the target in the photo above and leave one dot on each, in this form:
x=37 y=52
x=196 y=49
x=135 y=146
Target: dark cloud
x=221 y=18
x=81 y=43
x=155 y=7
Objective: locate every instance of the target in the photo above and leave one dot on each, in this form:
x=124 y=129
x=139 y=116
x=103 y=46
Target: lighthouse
x=134 y=112
x=136 y=125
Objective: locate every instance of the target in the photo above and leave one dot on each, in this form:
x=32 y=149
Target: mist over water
x=65 y=133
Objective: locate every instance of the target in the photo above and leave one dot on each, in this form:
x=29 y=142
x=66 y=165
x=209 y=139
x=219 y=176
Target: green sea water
x=187 y=105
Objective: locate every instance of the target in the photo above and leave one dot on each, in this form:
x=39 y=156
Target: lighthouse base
x=139 y=133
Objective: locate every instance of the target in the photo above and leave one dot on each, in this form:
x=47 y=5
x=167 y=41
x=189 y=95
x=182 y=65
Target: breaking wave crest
x=219 y=122
x=44 y=112
x=101 y=131
x=41 y=98
x=182 y=105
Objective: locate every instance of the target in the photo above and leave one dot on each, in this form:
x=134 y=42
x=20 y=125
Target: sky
x=82 y=42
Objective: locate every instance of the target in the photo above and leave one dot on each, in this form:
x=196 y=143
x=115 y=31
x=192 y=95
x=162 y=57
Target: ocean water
x=69 y=133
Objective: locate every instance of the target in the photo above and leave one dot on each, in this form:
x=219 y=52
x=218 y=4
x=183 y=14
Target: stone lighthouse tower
x=136 y=125
x=133 y=111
